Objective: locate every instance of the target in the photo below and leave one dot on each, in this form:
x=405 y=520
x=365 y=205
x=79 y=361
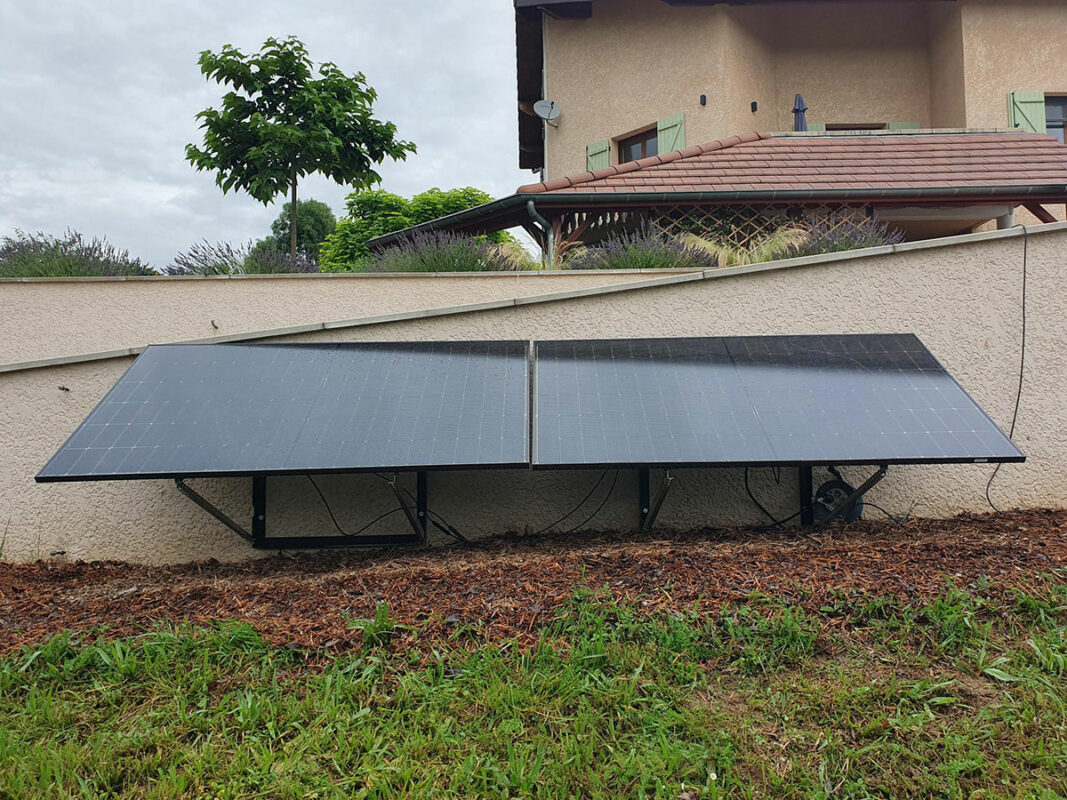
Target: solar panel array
x=198 y=410
x=240 y=409
x=755 y=400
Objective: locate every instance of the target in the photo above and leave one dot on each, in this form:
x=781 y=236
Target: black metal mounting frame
x=417 y=518
x=807 y=499
x=648 y=508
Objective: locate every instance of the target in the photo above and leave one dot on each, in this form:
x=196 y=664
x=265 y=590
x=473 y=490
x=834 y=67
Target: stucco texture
x=637 y=61
x=51 y=318
x=961 y=297
x=945 y=65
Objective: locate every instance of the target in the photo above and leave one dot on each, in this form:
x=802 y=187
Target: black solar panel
x=240 y=409
x=757 y=400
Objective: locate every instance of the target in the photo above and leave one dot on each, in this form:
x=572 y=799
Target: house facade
x=632 y=78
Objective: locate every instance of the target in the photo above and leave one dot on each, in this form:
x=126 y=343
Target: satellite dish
x=547 y=110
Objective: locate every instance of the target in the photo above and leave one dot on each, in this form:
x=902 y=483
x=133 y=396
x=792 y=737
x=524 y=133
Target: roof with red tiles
x=829 y=162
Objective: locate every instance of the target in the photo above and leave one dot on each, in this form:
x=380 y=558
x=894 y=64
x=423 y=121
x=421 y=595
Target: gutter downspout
x=549 y=260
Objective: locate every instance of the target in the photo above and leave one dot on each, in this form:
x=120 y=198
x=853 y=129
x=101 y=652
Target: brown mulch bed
x=508 y=587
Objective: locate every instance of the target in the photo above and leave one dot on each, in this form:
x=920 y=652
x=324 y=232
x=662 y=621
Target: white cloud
x=99 y=99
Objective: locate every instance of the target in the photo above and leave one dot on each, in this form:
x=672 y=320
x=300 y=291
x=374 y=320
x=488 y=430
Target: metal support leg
x=657 y=504
x=422 y=510
x=211 y=509
x=417 y=525
x=807 y=513
x=644 y=495
x=259 y=510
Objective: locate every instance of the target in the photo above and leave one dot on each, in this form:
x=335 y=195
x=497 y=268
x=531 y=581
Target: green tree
x=376 y=212
x=314 y=222
x=281 y=122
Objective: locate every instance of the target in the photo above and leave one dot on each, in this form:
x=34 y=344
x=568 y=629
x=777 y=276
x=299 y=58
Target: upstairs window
x=642 y=145
x=1055 y=116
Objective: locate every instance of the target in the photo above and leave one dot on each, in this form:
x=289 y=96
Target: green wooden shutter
x=670 y=133
x=903 y=126
x=816 y=126
x=598 y=156
x=1026 y=110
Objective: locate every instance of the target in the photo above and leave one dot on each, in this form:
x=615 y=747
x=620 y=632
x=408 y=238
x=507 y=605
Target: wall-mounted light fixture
x=755 y=106
x=703 y=99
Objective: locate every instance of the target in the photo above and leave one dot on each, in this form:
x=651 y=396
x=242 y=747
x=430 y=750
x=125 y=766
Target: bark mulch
x=510 y=586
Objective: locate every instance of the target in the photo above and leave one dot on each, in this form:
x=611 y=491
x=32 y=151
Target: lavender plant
x=40 y=255
x=440 y=251
x=223 y=258
x=831 y=234
x=643 y=249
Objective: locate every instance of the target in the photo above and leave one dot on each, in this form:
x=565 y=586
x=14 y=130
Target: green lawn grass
x=963 y=697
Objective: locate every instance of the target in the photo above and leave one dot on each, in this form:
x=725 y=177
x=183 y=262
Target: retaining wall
x=962 y=297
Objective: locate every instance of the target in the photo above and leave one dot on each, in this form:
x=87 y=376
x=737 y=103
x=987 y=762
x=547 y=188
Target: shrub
x=443 y=252
x=39 y=255
x=831 y=235
x=644 y=249
x=376 y=212
x=222 y=258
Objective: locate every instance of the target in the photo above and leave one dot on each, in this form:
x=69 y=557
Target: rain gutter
x=549 y=232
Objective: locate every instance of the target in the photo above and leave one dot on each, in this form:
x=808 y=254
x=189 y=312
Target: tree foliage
x=377 y=212
x=314 y=222
x=284 y=119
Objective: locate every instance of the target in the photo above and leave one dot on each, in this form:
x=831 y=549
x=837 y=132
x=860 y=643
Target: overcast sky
x=98 y=100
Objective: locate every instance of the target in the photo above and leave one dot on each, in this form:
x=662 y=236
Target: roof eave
x=510 y=211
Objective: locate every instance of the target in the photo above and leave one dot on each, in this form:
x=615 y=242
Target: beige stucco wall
x=637 y=61
x=1011 y=45
x=47 y=318
x=962 y=297
x=935 y=64
x=948 y=103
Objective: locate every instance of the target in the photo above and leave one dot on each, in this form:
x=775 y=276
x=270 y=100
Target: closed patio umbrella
x=800 y=120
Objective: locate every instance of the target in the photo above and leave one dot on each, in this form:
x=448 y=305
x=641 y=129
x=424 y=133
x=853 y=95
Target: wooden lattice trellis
x=743 y=226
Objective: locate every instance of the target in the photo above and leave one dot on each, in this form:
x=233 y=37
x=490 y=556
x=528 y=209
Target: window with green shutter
x=670 y=133
x=1026 y=110
x=598 y=155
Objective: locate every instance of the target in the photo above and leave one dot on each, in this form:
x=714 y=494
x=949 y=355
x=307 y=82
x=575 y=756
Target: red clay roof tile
x=756 y=161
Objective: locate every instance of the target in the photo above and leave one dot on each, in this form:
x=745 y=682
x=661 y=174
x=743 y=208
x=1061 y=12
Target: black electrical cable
x=778 y=523
x=446 y=527
x=1022 y=370
x=759 y=505
x=337 y=525
x=893 y=517
x=442 y=525
x=599 y=507
x=574 y=510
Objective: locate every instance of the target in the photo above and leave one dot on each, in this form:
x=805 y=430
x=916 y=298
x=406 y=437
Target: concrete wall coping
x=650 y=283
x=315 y=276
